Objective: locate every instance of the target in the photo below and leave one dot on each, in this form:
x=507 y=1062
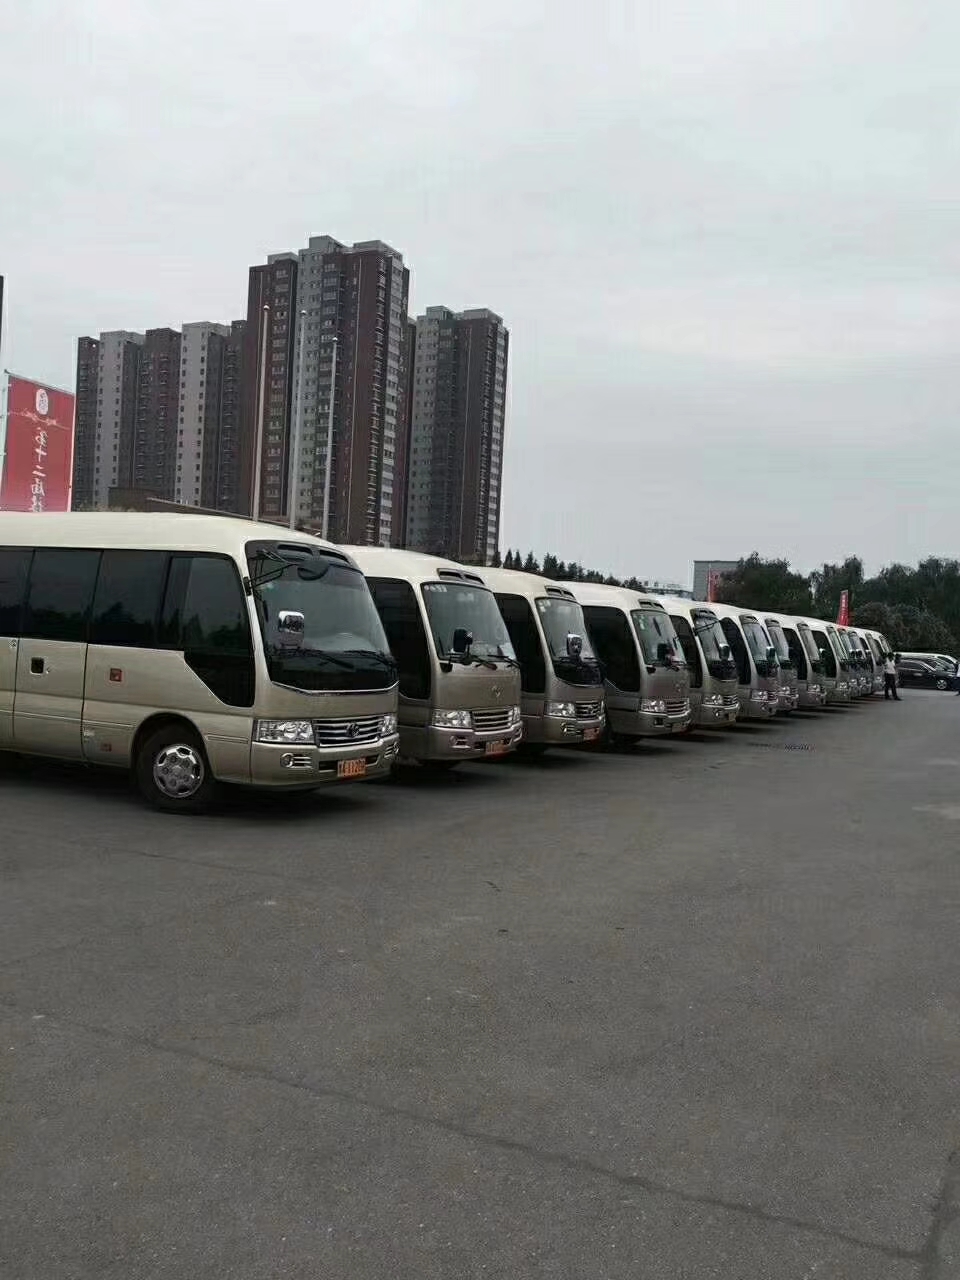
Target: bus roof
x=598 y=593
x=136 y=530
x=531 y=585
x=412 y=566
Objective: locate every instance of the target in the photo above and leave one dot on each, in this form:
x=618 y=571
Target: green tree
x=757 y=583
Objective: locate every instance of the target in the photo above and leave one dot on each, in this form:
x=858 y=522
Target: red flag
x=713 y=583
x=843 y=617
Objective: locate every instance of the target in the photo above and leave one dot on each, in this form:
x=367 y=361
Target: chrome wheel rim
x=178 y=771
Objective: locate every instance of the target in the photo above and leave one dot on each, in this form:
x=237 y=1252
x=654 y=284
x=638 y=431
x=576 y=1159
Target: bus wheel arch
x=170 y=765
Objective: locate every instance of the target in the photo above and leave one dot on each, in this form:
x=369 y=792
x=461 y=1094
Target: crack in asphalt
x=572 y=1163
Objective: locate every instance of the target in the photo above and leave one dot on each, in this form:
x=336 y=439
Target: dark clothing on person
x=890 y=686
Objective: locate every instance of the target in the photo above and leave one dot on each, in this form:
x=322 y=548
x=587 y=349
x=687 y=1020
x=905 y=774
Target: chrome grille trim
x=341 y=732
x=678 y=707
x=491 y=720
x=731 y=700
x=588 y=710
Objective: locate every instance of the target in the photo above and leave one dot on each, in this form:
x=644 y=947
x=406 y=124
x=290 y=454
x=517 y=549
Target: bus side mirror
x=291 y=626
x=725 y=653
x=574 y=645
x=462 y=640
x=771 y=653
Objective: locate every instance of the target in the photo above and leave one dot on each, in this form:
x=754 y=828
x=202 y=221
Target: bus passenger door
x=52 y=654
x=14 y=567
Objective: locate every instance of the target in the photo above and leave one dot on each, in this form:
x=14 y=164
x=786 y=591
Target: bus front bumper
x=304 y=767
x=432 y=742
x=711 y=714
x=561 y=731
x=814 y=695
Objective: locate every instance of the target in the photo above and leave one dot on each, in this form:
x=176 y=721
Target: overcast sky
x=724 y=235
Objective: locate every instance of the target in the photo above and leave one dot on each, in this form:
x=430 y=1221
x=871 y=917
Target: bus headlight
x=452 y=720
x=389 y=725
x=283 y=731
x=562 y=710
x=515 y=714
x=713 y=700
x=656 y=706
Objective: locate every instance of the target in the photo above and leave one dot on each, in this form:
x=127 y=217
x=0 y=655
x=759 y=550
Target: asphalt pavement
x=686 y=1011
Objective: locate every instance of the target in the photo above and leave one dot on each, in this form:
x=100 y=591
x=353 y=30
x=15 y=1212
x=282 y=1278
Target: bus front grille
x=493 y=720
x=731 y=700
x=679 y=707
x=588 y=710
x=348 y=733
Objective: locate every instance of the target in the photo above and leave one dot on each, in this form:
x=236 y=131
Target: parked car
x=917 y=674
x=941 y=660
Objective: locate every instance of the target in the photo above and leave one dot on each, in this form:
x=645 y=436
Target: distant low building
x=704 y=570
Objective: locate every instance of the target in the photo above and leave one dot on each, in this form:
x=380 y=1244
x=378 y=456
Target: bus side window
x=127 y=602
x=60 y=594
x=204 y=614
x=525 y=639
x=14 y=569
x=690 y=651
x=615 y=646
x=738 y=648
x=400 y=614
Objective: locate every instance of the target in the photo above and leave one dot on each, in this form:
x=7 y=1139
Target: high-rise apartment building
x=160 y=412
x=351 y=311
x=85 y=422
x=199 y=376
x=155 y=452
x=104 y=438
x=222 y=483
x=456 y=434
x=268 y=359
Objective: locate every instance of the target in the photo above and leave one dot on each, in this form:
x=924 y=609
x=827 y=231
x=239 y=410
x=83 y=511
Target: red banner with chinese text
x=38 y=462
x=843 y=614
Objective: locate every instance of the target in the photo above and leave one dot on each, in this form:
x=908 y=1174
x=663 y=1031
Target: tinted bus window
x=796 y=652
x=60 y=594
x=615 y=646
x=204 y=613
x=400 y=614
x=14 y=568
x=691 y=652
x=738 y=649
x=525 y=638
x=127 y=602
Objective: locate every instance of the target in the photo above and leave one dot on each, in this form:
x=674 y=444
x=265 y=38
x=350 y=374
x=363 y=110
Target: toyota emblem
x=353 y=730
x=496 y=691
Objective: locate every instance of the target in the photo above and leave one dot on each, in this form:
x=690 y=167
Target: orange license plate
x=351 y=768
x=590 y=735
x=496 y=748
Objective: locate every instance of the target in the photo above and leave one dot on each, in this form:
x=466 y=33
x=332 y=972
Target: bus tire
x=172 y=770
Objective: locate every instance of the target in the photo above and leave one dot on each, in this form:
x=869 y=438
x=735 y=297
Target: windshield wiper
x=386 y=660
x=503 y=657
x=323 y=654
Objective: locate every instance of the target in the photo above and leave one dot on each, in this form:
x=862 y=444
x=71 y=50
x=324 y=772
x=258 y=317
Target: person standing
x=956 y=676
x=890 y=679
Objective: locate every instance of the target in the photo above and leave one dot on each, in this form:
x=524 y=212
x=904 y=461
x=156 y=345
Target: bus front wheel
x=172 y=770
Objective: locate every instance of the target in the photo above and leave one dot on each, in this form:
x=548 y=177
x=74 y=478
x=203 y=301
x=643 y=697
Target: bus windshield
x=710 y=634
x=654 y=628
x=461 y=606
x=343 y=645
x=756 y=638
x=775 y=631
x=559 y=619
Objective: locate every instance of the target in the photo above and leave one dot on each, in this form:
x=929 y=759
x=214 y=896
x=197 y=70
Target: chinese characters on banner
x=713 y=584
x=39 y=448
x=843 y=615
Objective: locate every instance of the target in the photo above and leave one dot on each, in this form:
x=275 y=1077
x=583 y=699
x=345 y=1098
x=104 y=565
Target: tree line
x=915 y=608
x=558 y=570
